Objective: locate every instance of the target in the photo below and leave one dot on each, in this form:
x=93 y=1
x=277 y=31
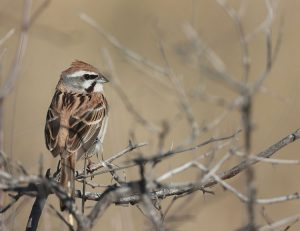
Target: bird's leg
x=83 y=185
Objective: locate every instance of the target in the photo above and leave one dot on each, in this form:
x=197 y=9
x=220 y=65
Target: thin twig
x=7 y=36
x=280 y=223
x=128 y=149
x=62 y=218
x=189 y=164
x=182 y=96
x=116 y=43
x=236 y=17
x=218 y=70
x=123 y=96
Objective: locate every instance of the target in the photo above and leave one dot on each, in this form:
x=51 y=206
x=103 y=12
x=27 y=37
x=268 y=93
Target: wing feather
x=85 y=126
x=52 y=128
x=74 y=129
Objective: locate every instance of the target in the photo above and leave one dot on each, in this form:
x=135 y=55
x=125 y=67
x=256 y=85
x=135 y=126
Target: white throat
x=98 y=87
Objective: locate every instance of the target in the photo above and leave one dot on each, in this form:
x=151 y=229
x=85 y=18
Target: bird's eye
x=89 y=77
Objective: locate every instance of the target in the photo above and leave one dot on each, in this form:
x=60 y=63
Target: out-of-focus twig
x=247 y=98
x=218 y=70
x=236 y=18
x=182 y=97
x=283 y=222
x=38 y=11
x=123 y=96
x=10 y=81
x=116 y=43
x=60 y=216
x=37 y=208
x=7 y=36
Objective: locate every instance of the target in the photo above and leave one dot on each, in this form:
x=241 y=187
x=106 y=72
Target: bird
x=76 y=120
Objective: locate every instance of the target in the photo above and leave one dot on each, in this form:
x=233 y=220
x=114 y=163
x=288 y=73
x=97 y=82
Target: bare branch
x=268 y=160
x=267 y=153
x=128 y=149
x=280 y=223
x=189 y=164
x=129 y=192
x=60 y=216
x=151 y=213
x=160 y=156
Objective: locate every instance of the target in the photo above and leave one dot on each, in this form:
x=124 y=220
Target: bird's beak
x=103 y=79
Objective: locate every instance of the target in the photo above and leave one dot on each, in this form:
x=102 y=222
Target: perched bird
x=76 y=119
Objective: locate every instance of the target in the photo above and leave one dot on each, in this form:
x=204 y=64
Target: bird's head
x=83 y=78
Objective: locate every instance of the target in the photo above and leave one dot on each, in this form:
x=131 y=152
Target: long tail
x=67 y=177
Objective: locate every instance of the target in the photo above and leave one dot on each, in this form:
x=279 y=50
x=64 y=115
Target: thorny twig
x=128 y=193
x=128 y=149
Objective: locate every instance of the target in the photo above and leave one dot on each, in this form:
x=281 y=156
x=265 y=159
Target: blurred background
x=58 y=36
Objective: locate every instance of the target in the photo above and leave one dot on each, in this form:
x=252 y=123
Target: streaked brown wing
x=51 y=131
x=84 y=129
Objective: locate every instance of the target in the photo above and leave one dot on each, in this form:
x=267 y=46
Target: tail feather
x=67 y=177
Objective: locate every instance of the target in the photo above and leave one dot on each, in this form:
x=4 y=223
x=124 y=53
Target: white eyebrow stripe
x=81 y=73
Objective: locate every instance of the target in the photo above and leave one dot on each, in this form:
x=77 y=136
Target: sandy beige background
x=59 y=36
